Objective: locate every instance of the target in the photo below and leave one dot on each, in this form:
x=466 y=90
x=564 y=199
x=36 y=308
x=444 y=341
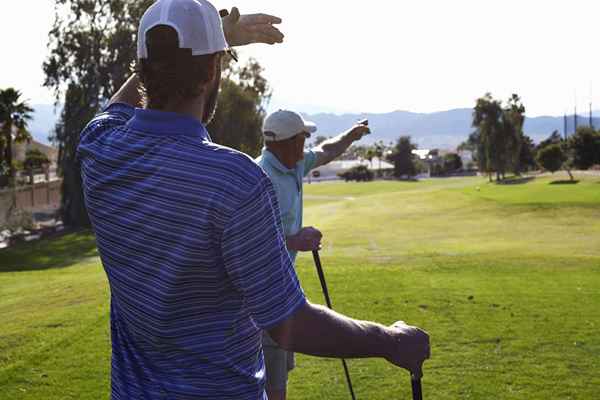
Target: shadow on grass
x=57 y=252
x=569 y=182
x=516 y=181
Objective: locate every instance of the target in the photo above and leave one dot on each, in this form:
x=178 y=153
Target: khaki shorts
x=278 y=363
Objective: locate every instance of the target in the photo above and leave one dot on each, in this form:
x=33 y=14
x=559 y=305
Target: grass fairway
x=506 y=279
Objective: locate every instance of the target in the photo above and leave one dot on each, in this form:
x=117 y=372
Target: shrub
x=551 y=157
x=359 y=173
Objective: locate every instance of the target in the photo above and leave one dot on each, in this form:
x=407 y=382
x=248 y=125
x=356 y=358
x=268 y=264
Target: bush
x=585 y=144
x=18 y=220
x=551 y=158
x=359 y=173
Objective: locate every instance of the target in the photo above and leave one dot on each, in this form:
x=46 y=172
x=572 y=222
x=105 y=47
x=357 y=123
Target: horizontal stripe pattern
x=190 y=237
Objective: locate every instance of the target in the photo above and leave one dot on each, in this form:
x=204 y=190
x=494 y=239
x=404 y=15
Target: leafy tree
x=487 y=117
x=451 y=163
x=527 y=154
x=552 y=158
x=92 y=46
x=14 y=117
x=379 y=150
x=554 y=138
x=499 y=133
x=513 y=118
x=353 y=152
x=370 y=154
x=244 y=92
x=585 y=144
x=35 y=159
x=403 y=158
x=92 y=49
x=474 y=144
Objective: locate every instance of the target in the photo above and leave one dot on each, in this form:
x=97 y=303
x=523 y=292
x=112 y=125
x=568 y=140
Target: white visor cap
x=284 y=124
x=197 y=22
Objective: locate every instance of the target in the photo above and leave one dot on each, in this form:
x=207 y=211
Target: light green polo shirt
x=288 y=187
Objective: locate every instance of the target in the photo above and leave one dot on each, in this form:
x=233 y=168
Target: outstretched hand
x=241 y=30
x=359 y=130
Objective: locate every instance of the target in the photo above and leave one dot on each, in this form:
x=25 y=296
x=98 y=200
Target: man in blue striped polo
x=189 y=232
x=286 y=162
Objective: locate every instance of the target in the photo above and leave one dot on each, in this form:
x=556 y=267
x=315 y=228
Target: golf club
x=328 y=301
x=416 y=388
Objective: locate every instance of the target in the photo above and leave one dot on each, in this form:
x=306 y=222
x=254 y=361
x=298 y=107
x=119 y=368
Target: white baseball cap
x=197 y=23
x=284 y=124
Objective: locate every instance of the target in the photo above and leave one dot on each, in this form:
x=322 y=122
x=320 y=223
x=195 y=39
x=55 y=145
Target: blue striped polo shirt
x=190 y=237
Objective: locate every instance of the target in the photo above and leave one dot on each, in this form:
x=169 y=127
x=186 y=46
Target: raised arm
x=331 y=149
x=241 y=30
x=129 y=93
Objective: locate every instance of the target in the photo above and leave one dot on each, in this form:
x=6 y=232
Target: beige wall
x=36 y=197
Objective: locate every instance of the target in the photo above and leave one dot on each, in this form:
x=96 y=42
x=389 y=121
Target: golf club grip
x=317 y=259
x=416 y=389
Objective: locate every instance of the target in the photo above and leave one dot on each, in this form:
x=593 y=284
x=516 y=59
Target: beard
x=211 y=101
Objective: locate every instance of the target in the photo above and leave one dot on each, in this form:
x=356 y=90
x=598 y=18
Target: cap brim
x=311 y=127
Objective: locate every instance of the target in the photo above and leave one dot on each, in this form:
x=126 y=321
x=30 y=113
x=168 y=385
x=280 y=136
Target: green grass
x=506 y=278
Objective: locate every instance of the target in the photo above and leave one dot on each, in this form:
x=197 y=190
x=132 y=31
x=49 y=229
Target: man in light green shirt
x=287 y=163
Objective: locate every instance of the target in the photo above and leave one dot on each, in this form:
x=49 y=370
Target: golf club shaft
x=416 y=388
x=317 y=259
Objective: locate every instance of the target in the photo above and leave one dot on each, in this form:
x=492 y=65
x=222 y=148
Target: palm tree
x=14 y=117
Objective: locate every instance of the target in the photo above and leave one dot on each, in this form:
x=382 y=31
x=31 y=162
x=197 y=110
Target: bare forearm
x=129 y=93
x=318 y=331
x=335 y=147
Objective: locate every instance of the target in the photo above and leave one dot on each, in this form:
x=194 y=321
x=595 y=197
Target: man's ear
x=214 y=67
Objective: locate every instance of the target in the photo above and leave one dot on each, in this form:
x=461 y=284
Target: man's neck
x=194 y=109
x=287 y=159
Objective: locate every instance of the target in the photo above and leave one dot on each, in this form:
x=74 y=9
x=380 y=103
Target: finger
x=234 y=15
x=266 y=30
x=261 y=37
x=262 y=19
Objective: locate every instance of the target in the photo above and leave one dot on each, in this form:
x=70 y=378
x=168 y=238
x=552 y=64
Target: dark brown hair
x=170 y=73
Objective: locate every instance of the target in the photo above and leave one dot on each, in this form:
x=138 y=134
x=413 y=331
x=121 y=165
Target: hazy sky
x=379 y=56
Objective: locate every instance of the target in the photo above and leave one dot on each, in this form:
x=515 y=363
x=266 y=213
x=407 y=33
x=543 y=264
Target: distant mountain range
x=445 y=129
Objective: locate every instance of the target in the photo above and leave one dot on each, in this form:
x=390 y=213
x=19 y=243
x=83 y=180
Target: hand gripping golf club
x=328 y=301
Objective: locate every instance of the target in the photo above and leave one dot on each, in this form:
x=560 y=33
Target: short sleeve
x=114 y=115
x=257 y=261
x=310 y=160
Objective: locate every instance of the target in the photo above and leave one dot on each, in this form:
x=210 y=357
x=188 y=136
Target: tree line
x=500 y=146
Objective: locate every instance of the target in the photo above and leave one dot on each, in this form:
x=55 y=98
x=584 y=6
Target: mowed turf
x=506 y=279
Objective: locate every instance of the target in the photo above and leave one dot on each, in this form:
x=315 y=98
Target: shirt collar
x=167 y=123
x=275 y=163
